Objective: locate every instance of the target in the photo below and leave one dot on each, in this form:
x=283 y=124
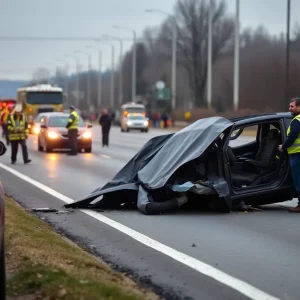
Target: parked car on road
x=54 y=134
x=135 y=122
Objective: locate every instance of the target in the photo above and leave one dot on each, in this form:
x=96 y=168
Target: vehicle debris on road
x=52 y=210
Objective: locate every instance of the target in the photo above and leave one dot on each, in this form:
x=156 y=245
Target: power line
x=71 y=39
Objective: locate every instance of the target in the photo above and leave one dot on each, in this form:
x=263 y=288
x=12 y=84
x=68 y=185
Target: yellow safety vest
x=295 y=147
x=75 y=122
x=4 y=116
x=20 y=125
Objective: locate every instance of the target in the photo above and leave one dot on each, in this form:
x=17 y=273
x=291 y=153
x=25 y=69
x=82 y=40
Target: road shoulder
x=42 y=264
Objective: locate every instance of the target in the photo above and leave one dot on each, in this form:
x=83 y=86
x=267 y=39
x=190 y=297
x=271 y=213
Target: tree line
x=262 y=64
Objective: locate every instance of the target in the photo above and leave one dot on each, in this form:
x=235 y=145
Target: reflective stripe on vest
x=295 y=147
x=75 y=123
x=19 y=125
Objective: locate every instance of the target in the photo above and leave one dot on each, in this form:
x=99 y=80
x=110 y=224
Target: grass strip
x=41 y=264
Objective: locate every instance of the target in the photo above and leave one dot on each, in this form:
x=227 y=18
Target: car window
x=61 y=121
x=245 y=135
x=40 y=119
x=136 y=118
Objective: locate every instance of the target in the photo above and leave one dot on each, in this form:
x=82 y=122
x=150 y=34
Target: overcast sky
x=93 y=18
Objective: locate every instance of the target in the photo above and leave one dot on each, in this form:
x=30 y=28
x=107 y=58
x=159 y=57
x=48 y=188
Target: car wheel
x=88 y=150
x=40 y=148
x=146 y=130
x=2 y=273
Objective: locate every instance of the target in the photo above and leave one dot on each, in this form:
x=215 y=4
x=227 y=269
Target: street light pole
x=174 y=52
x=88 y=77
x=77 y=79
x=133 y=60
x=236 y=57
x=121 y=69
x=209 y=55
x=99 y=93
x=66 y=76
x=112 y=81
x=112 y=86
x=287 y=59
x=55 y=73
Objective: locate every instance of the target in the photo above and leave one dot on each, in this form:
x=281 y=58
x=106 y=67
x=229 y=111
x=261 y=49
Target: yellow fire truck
x=38 y=99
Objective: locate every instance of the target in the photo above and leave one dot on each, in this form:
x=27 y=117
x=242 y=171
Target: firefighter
x=4 y=117
x=72 y=127
x=18 y=133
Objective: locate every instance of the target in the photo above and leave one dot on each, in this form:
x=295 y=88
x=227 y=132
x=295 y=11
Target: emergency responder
x=72 y=127
x=18 y=132
x=292 y=145
x=4 y=117
x=105 y=122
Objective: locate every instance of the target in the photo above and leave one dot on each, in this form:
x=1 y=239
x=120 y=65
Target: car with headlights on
x=35 y=126
x=54 y=134
x=135 y=122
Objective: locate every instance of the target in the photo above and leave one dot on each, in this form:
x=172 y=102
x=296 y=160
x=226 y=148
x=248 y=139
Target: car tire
x=40 y=148
x=2 y=273
x=88 y=150
x=146 y=130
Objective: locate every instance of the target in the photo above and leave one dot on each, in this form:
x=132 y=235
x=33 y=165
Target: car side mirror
x=89 y=126
x=43 y=126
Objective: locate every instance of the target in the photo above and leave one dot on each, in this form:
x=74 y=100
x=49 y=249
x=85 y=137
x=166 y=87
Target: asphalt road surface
x=182 y=255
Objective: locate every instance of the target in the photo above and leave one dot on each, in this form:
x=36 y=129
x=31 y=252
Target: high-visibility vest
x=4 y=116
x=20 y=124
x=75 y=122
x=295 y=147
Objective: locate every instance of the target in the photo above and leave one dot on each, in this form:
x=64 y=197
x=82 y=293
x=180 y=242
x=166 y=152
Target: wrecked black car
x=214 y=163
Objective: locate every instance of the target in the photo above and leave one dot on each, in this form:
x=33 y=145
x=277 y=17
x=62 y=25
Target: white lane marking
x=220 y=276
x=105 y=156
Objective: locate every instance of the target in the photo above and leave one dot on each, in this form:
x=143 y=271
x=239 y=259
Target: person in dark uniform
x=17 y=127
x=72 y=126
x=105 y=122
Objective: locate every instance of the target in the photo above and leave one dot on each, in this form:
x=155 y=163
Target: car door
x=244 y=141
x=281 y=188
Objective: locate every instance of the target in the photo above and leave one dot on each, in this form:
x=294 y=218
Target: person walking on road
x=72 y=126
x=292 y=146
x=17 y=127
x=105 y=122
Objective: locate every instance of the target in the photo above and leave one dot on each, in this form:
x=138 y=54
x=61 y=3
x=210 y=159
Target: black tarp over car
x=157 y=178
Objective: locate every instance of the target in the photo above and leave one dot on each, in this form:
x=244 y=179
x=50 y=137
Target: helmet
x=72 y=107
x=10 y=106
x=18 y=108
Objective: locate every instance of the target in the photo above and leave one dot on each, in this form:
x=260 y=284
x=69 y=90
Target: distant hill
x=8 y=88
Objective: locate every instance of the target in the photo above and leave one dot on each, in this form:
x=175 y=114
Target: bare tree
x=192 y=27
x=41 y=75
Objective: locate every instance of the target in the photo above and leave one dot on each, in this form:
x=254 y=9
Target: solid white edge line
x=197 y=265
